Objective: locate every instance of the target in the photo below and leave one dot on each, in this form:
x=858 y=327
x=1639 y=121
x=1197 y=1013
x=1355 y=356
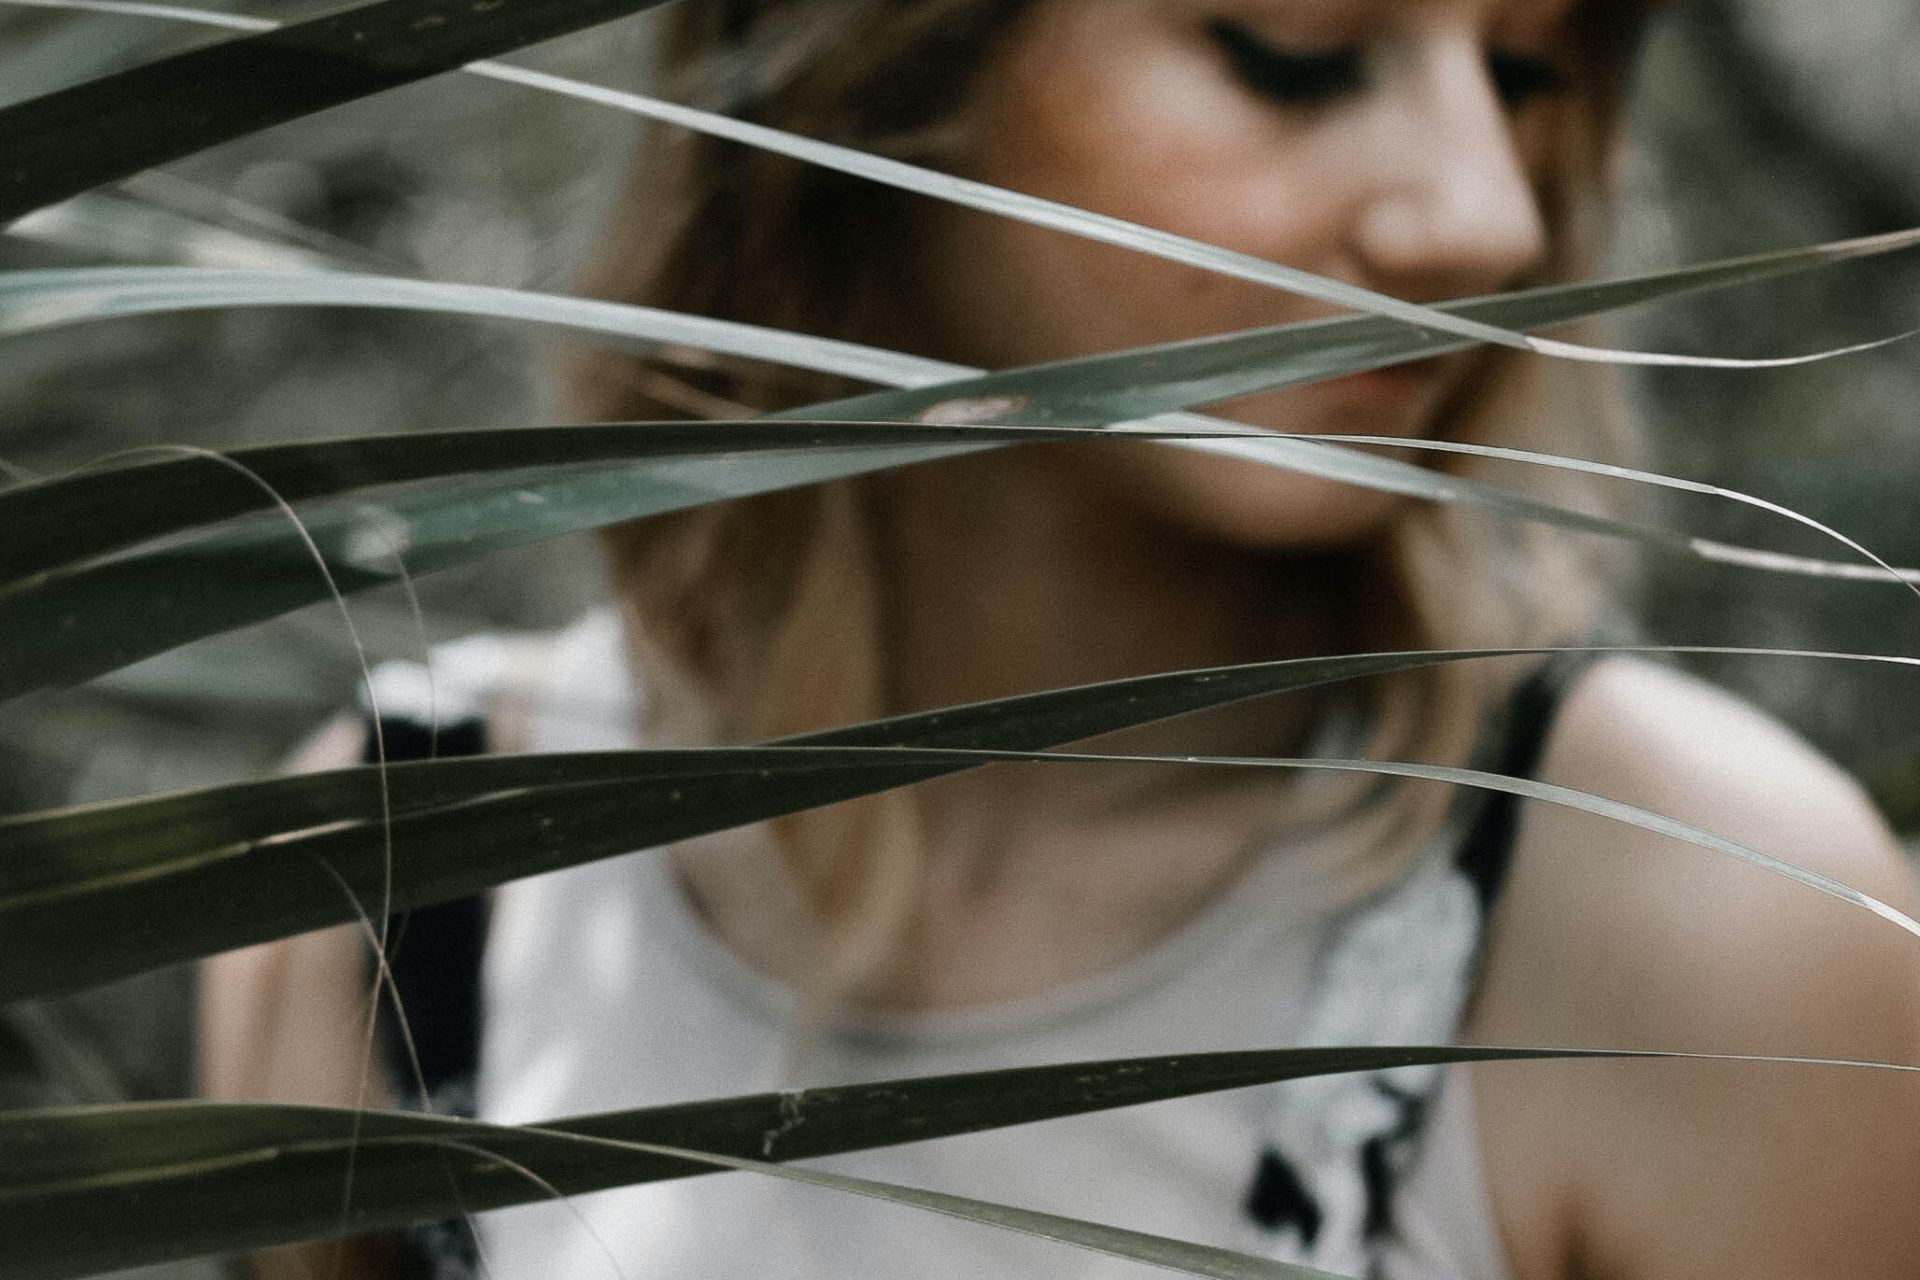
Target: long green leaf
x=66 y=625
x=86 y=1190
x=1142 y=382
x=68 y=628
x=1874 y=569
x=63 y=143
x=52 y=298
x=1137 y=383
x=61 y=627
x=1037 y=211
x=110 y=1187
x=102 y=891
x=1101 y=228
x=1082 y=391
x=149 y=493
x=1182 y=1256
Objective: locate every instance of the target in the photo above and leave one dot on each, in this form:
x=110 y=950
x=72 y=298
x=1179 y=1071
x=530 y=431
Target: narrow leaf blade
x=105 y=1188
x=98 y=892
x=69 y=141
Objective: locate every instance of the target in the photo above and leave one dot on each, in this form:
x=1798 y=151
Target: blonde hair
x=762 y=616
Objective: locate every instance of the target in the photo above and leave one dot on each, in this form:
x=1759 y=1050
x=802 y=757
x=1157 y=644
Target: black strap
x=1514 y=749
x=434 y=952
x=434 y=956
x=1513 y=744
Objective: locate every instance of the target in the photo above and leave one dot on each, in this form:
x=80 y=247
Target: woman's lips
x=1394 y=391
x=1397 y=400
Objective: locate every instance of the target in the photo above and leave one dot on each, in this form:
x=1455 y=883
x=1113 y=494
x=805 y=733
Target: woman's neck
x=995 y=582
x=994 y=585
x=1000 y=580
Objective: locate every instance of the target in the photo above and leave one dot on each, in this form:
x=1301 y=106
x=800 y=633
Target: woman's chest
x=1181 y=1172
x=601 y=995
x=603 y=992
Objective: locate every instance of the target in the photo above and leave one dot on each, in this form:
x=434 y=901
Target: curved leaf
x=110 y=1187
x=1037 y=211
x=61 y=627
x=98 y=892
x=71 y=140
x=135 y=497
x=134 y=230
x=1104 y=229
x=70 y=627
x=170 y=877
x=54 y=297
x=1142 y=382
x=1183 y=1256
x=86 y=1190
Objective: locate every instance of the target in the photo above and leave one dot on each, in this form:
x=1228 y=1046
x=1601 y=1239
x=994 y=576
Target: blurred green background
x=1756 y=124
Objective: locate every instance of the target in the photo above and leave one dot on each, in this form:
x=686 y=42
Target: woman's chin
x=1253 y=506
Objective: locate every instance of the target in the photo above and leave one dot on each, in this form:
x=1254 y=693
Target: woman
x=1425 y=148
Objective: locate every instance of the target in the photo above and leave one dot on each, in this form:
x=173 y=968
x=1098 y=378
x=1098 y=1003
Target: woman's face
x=1395 y=144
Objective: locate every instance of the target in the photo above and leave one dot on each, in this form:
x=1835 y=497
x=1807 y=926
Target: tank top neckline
x=1263 y=897
x=1255 y=903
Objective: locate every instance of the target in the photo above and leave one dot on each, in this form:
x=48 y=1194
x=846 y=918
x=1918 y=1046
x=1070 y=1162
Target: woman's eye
x=1519 y=78
x=1291 y=77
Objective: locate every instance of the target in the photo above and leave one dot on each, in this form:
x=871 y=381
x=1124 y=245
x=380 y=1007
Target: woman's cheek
x=1130 y=115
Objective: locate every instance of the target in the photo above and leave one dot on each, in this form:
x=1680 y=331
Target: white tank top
x=603 y=990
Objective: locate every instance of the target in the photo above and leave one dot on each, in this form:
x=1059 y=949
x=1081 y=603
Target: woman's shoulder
x=1675 y=745
x=1612 y=936
x=1614 y=902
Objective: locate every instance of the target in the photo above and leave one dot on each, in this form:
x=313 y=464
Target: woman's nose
x=1454 y=211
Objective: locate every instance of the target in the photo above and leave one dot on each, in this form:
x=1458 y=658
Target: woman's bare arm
x=1612 y=937
x=287 y=1021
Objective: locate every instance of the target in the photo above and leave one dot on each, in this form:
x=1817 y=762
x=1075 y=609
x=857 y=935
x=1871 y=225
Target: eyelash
x=1287 y=76
x=1519 y=78
x=1305 y=78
